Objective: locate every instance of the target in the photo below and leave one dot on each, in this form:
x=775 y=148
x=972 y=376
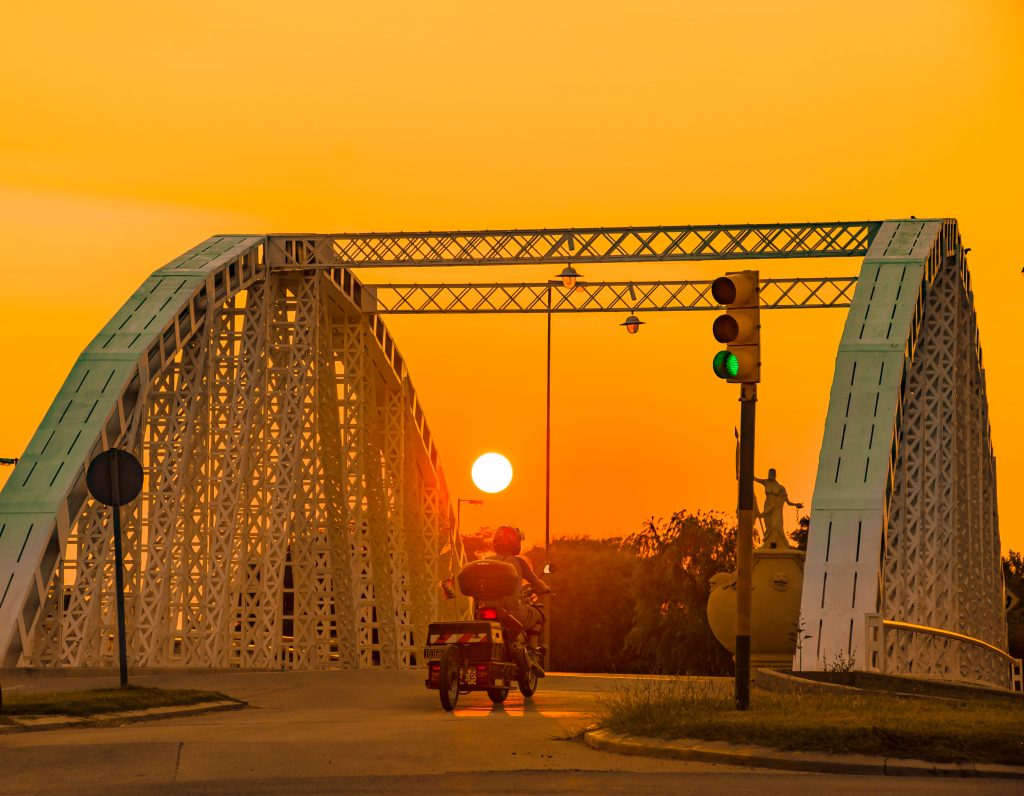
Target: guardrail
x=876 y=628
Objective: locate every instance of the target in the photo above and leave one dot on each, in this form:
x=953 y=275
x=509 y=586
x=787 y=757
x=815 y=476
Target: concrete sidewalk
x=37 y=723
x=767 y=757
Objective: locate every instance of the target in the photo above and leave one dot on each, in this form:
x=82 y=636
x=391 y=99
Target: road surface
x=381 y=732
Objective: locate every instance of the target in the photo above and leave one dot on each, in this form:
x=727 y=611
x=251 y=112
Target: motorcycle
x=481 y=654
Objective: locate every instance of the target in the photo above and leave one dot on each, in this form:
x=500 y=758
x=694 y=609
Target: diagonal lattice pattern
x=399 y=299
x=903 y=559
x=293 y=512
x=583 y=245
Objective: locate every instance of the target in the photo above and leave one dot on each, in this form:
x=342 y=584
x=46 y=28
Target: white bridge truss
x=294 y=512
x=903 y=563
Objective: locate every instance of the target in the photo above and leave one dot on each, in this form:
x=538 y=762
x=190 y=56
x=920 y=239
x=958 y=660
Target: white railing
x=875 y=628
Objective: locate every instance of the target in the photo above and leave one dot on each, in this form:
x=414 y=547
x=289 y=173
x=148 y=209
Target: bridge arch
x=294 y=512
x=903 y=563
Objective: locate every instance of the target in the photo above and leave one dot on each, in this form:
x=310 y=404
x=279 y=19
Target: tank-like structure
x=776 y=580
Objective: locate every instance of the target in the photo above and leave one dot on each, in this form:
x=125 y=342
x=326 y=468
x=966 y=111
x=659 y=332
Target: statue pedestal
x=776 y=581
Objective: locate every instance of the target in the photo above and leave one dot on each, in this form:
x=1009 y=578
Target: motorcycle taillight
x=488 y=613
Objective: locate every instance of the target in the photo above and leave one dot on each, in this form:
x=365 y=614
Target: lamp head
x=569 y=275
x=632 y=324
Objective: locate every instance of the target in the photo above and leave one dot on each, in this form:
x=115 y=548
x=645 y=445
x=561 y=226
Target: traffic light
x=739 y=328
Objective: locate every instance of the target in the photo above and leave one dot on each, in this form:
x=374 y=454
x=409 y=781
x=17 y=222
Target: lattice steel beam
x=599 y=296
x=577 y=245
x=273 y=490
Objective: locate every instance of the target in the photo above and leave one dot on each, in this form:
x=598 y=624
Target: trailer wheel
x=449 y=677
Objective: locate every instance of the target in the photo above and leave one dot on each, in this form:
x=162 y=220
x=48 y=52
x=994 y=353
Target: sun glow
x=492 y=472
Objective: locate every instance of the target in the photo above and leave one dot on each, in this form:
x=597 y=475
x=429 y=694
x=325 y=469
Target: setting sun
x=492 y=472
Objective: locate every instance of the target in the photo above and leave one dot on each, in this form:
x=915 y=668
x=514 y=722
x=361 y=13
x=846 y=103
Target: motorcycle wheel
x=497 y=695
x=449 y=680
x=528 y=683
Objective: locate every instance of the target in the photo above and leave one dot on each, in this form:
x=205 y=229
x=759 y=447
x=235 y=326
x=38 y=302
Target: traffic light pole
x=740 y=363
x=745 y=543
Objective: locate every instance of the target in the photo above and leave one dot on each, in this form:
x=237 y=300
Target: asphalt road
x=382 y=732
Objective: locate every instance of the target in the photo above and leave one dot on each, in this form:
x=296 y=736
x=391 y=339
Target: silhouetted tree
x=1013 y=575
x=478 y=543
x=638 y=604
x=592 y=610
x=671 y=584
x=799 y=536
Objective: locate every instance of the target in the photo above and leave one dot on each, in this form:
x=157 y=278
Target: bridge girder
x=295 y=512
x=576 y=245
x=480 y=298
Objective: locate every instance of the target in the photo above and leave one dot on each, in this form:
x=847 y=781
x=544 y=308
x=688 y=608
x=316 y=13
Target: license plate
x=433 y=653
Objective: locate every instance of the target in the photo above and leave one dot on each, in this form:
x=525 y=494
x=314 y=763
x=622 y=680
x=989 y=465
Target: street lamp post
x=456 y=535
x=547 y=448
x=567 y=278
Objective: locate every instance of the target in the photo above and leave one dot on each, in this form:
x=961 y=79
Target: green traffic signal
x=726 y=365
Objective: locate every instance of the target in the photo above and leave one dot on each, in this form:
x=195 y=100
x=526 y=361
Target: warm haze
x=131 y=134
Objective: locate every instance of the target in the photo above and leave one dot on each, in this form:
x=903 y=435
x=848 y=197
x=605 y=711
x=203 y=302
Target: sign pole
x=745 y=543
x=122 y=643
x=115 y=477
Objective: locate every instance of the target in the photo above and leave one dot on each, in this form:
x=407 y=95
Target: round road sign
x=114 y=477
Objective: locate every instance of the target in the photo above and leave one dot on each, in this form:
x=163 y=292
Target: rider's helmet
x=508 y=541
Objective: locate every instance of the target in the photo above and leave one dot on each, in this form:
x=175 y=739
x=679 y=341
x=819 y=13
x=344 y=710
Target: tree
x=592 y=609
x=1013 y=577
x=671 y=584
x=477 y=544
x=799 y=536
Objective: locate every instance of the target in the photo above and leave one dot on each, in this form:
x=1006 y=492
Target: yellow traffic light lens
x=725 y=329
x=725 y=365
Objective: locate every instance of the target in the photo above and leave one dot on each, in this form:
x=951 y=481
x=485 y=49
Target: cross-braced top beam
x=581 y=245
x=599 y=296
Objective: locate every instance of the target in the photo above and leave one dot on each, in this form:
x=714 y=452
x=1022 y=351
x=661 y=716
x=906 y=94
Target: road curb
x=767 y=757
x=41 y=723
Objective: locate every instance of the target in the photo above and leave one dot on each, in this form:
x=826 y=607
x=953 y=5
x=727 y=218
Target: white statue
x=775 y=499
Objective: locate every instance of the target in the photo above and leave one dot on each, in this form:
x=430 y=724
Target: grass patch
x=102 y=700
x=976 y=730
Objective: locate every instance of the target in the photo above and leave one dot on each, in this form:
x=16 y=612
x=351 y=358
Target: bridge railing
x=880 y=631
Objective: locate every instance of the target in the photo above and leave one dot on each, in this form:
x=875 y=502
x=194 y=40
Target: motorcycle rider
x=508 y=545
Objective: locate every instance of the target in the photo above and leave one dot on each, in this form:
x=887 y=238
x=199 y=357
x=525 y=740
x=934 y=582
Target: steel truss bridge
x=295 y=513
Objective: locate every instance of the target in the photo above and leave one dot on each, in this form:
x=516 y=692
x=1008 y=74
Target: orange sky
x=131 y=132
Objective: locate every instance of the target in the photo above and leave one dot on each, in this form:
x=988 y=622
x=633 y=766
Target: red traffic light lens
x=724 y=290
